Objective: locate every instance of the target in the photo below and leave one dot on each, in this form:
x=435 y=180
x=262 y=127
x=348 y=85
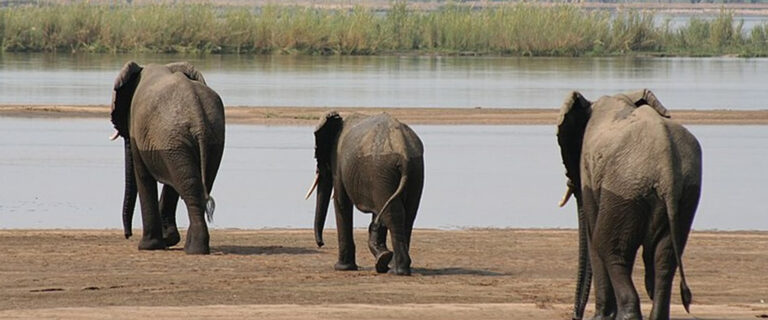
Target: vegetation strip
x=308 y=116
x=521 y=29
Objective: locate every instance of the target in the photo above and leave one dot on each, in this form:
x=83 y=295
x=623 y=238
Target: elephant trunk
x=129 y=197
x=324 y=188
x=584 y=277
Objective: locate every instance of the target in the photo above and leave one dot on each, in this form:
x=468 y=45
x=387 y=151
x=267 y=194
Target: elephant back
x=382 y=134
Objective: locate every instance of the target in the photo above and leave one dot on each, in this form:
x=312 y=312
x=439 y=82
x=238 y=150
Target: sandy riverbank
x=280 y=274
x=441 y=116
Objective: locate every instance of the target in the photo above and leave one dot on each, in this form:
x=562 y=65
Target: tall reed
x=514 y=29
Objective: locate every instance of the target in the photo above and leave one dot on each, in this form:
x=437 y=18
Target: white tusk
x=314 y=185
x=114 y=136
x=566 y=197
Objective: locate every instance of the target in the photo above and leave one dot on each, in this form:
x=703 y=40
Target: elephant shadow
x=456 y=271
x=261 y=250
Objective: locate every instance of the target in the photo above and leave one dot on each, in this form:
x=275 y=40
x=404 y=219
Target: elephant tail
x=672 y=214
x=210 y=204
x=673 y=196
x=398 y=191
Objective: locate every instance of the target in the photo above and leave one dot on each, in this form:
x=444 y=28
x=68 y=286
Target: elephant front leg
x=377 y=243
x=169 y=199
x=343 y=207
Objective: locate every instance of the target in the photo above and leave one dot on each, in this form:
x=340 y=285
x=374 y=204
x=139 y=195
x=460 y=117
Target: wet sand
x=280 y=274
x=305 y=116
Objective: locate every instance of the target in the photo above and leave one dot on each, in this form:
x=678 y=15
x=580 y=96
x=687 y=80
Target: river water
x=678 y=20
x=64 y=173
x=409 y=81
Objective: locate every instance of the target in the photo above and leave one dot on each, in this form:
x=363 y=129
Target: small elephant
x=172 y=124
x=636 y=176
x=376 y=163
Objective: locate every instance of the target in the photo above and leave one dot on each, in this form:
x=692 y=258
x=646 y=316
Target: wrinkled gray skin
x=172 y=124
x=636 y=176
x=376 y=164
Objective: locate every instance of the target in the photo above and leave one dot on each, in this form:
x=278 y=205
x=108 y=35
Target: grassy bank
x=516 y=29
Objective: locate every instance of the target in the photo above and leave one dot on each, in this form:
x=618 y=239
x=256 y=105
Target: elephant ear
x=187 y=69
x=125 y=85
x=646 y=97
x=571 y=124
x=326 y=134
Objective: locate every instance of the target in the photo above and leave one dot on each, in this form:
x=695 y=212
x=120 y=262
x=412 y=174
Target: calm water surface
x=377 y=81
x=678 y=20
x=66 y=174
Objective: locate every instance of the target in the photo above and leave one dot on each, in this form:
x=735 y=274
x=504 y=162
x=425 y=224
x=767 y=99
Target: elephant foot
x=197 y=249
x=171 y=236
x=382 y=261
x=197 y=246
x=340 y=266
x=197 y=240
x=400 y=271
x=151 y=244
x=602 y=317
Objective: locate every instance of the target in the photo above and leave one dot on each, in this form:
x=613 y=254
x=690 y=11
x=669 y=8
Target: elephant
x=172 y=125
x=375 y=163
x=636 y=177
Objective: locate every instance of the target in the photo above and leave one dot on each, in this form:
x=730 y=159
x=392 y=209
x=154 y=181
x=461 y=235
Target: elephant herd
x=635 y=174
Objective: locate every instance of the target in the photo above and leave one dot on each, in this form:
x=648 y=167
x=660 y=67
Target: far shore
x=308 y=116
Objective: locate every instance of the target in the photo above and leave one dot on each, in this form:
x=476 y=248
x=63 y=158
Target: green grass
x=515 y=29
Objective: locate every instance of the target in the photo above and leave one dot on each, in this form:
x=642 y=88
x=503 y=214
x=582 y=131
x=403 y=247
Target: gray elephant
x=172 y=124
x=375 y=163
x=636 y=176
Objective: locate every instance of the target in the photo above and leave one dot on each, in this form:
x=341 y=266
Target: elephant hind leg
x=169 y=200
x=198 y=238
x=657 y=230
x=605 y=299
x=665 y=265
x=152 y=235
x=620 y=229
x=397 y=222
x=411 y=199
x=377 y=243
x=650 y=270
x=188 y=183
